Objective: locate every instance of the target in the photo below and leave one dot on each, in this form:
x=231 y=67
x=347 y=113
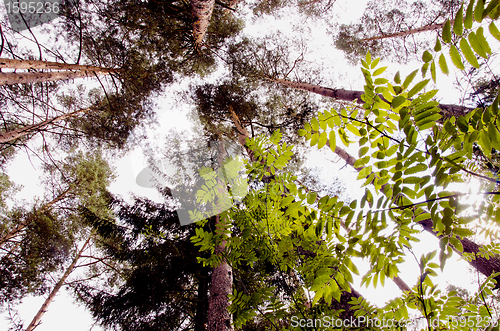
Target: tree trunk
x=43 y=309
x=219 y=318
x=429 y=27
x=21 y=132
x=200 y=319
x=202 y=12
x=10 y=78
x=483 y=265
x=350 y=95
x=35 y=64
x=31 y=218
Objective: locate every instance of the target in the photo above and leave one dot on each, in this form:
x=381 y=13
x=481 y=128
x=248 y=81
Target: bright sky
x=63 y=314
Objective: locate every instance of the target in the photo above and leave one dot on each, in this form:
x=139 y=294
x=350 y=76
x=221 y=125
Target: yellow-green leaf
x=437 y=47
x=490 y=7
x=417 y=88
x=322 y=140
x=468 y=15
x=447 y=32
x=494 y=31
x=427 y=56
x=409 y=78
x=468 y=53
x=478 y=11
x=433 y=71
x=482 y=40
x=455 y=58
x=474 y=42
x=332 y=141
x=379 y=71
x=314 y=124
x=443 y=65
x=397 y=78
x=458 y=27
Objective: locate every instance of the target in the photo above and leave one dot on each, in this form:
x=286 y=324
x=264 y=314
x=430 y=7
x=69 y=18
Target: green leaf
x=443 y=65
x=409 y=78
x=311 y=197
x=468 y=53
x=368 y=58
x=494 y=31
x=374 y=63
x=476 y=45
x=379 y=71
x=469 y=15
x=427 y=56
x=314 y=139
x=417 y=88
x=482 y=40
x=437 y=47
x=332 y=140
x=447 y=32
x=314 y=124
x=433 y=71
x=455 y=58
x=398 y=101
x=458 y=27
x=491 y=6
x=478 y=11
x=322 y=140
x=397 y=78
x=302 y=132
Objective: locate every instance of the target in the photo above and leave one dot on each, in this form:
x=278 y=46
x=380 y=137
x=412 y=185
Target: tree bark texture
x=43 y=309
x=202 y=12
x=350 y=95
x=429 y=27
x=21 y=132
x=36 y=64
x=10 y=78
x=219 y=318
x=22 y=225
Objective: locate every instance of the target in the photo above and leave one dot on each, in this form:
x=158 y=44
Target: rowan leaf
x=443 y=65
x=458 y=27
x=478 y=11
x=469 y=15
x=494 y=31
x=427 y=56
x=468 y=53
x=446 y=32
x=332 y=141
x=455 y=58
x=476 y=45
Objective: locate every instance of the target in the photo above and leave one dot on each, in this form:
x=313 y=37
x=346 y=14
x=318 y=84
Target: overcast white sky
x=64 y=315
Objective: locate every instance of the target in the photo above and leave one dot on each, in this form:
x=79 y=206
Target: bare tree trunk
x=219 y=318
x=31 y=218
x=43 y=309
x=10 y=78
x=202 y=12
x=350 y=95
x=483 y=265
x=429 y=27
x=36 y=64
x=21 y=132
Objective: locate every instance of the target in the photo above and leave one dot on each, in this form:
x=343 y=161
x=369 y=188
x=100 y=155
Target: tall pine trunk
x=202 y=12
x=21 y=132
x=36 y=64
x=43 y=309
x=219 y=318
x=351 y=95
x=10 y=78
x=22 y=225
x=481 y=264
x=429 y=27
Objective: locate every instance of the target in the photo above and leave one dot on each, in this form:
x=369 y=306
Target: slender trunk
x=429 y=27
x=43 y=309
x=483 y=265
x=219 y=318
x=21 y=132
x=350 y=95
x=10 y=78
x=35 y=64
x=202 y=12
x=22 y=225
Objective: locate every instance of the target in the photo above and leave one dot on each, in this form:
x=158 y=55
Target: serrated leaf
x=443 y=65
x=455 y=58
x=482 y=40
x=437 y=46
x=409 y=78
x=478 y=11
x=424 y=69
x=332 y=141
x=374 y=63
x=494 y=31
x=322 y=140
x=446 y=32
x=368 y=58
x=433 y=71
x=476 y=45
x=379 y=71
x=427 y=56
x=469 y=15
x=490 y=7
x=468 y=53
x=458 y=27
x=417 y=88
x=397 y=78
